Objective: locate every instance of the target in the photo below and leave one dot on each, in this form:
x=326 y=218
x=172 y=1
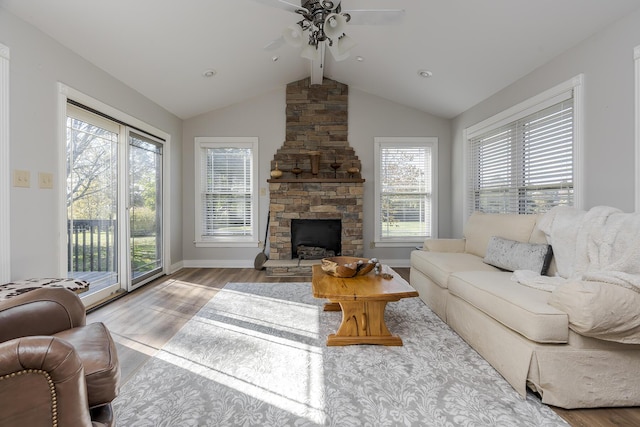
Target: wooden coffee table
x=362 y=300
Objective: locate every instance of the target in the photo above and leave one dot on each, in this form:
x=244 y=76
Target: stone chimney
x=316 y=125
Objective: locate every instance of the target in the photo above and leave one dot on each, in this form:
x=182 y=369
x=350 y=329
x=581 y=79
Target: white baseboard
x=176 y=267
x=396 y=262
x=243 y=263
x=223 y=263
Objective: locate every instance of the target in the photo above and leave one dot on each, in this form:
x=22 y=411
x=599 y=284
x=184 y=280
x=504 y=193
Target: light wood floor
x=142 y=321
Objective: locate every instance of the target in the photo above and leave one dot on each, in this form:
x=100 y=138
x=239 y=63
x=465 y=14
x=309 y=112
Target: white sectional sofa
x=575 y=342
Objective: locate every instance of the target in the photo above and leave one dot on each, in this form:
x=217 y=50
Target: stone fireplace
x=316 y=125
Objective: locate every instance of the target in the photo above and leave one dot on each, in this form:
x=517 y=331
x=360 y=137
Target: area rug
x=255 y=355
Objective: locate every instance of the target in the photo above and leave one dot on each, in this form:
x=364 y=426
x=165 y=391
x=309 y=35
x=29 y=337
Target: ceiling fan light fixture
x=337 y=56
x=334 y=25
x=324 y=23
x=341 y=48
x=293 y=35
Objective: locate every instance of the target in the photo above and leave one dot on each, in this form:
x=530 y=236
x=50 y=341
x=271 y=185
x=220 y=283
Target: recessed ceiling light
x=425 y=73
x=275 y=58
x=359 y=58
x=209 y=73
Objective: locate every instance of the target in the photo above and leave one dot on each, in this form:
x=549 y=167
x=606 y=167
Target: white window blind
x=526 y=166
x=227 y=191
x=405 y=191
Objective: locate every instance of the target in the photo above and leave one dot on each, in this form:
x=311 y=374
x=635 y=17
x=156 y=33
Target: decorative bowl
x=347 y=266
x=276 y=173
x=353 y=170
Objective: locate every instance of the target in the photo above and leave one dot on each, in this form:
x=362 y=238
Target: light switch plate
x=21 y=178
x=45 y=180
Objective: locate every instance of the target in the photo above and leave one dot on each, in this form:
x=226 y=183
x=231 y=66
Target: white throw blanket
x=602 y=244
x=533 y=279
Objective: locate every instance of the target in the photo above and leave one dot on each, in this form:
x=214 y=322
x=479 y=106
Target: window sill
x=201 y=244
x=402 y=244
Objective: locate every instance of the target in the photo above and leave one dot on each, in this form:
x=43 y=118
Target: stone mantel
x=312 y=180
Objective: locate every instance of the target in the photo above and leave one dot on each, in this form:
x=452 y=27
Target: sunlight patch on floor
x=275 y=358
x=286 y=316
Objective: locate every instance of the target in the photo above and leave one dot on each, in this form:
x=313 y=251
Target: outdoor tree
x=91 y=170
x=403 y=181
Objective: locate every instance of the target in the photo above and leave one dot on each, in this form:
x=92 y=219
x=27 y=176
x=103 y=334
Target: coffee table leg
x=363 y=323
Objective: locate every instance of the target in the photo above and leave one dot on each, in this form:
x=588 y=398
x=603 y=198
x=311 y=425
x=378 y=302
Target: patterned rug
x=255 y=355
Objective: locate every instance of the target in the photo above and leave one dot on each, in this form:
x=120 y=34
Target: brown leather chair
x=55 y=370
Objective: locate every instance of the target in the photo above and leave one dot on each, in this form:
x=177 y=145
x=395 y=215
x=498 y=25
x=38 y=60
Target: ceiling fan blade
x=282 y=4
x=376 y=16
x=274 y=44
x=291 y=7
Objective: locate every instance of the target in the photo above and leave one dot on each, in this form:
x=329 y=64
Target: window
x=405 y=199
x=226 y=174
x=525 y=163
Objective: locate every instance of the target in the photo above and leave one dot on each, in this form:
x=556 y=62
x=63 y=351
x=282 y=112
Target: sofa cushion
x=600 y=310
x=444 y=245
x=512 y=255
x=480 y=227
x=438 y=266
x=520 y=308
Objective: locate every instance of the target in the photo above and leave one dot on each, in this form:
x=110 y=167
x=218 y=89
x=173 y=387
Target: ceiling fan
x=324 y=23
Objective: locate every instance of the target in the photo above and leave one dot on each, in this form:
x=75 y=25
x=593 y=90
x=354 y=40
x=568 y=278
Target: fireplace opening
x=317 y=234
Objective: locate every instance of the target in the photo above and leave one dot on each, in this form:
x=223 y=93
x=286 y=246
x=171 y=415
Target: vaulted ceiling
x=474 y=48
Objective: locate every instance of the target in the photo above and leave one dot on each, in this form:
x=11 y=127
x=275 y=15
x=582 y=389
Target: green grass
x=405 y=228
x=143 y=252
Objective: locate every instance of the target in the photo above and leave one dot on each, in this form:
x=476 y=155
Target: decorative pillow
x=512 y=255
x=481 y=226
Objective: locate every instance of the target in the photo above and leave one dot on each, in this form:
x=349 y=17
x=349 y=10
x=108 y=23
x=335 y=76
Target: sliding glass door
x=145 y=208
x=93 y=228
x=114 y=204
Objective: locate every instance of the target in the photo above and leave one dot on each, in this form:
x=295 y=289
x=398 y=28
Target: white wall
x=37 y=64
x=371 y=116
x=606 y=59
x=264 y=117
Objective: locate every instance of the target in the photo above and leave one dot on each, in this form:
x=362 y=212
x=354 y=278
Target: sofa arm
x=42 y=383
x=444 y=245
x=43 y=311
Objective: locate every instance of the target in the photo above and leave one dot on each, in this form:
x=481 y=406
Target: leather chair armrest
x=42 y=383
x=43 y=311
